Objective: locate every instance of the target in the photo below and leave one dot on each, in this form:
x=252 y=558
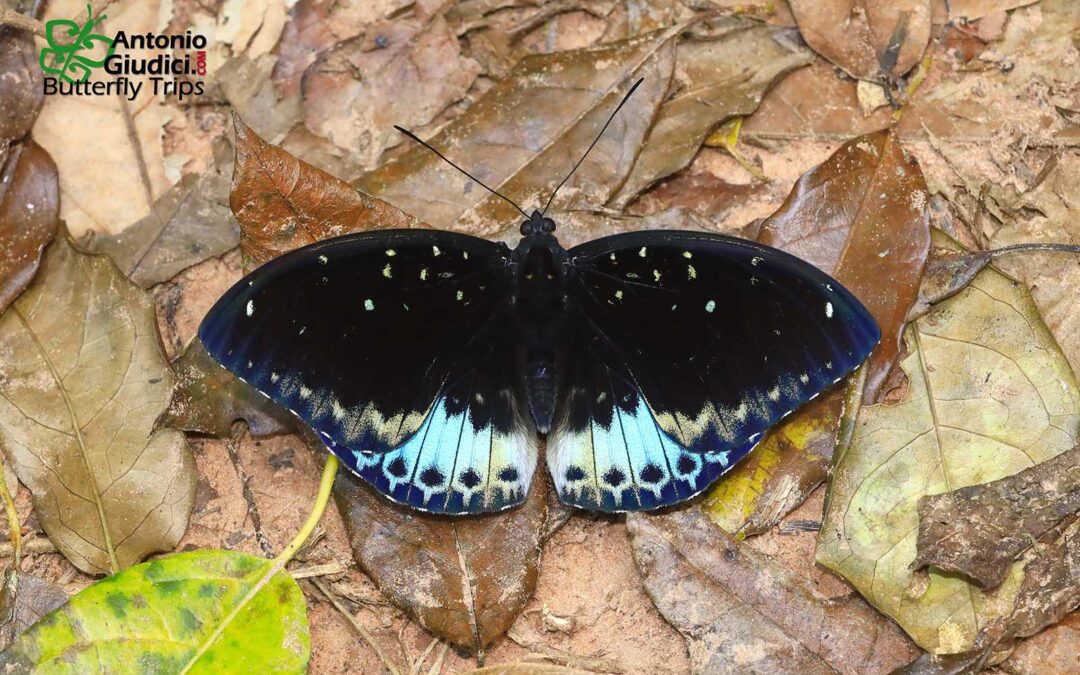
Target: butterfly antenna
x=591 y=145
x=474 y=178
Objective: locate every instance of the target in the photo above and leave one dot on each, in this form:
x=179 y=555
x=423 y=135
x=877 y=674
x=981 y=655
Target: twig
x=9 y=17
x=419 y=663
x=232 y=446
x=14 y=526
x=364 y=634
x=336 y=567
x=593 y=663
x=436 y=667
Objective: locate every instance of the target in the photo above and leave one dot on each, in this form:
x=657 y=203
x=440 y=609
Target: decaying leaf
x=207 y=399
x=869 y=40
x=82 y=379
x=283 y=203
x=743 y=613
x=989 y=394
x=859 y=216
x=527 y=669
x=122 y=137
x=401 y=71
x=21 y=92
x=24 y=599
x=714 y=80
x=465 y=579
x=245 y=84
x=526 y=132
x=188 y=224
x=980 y=530
x=29 y=208
x=204 y=611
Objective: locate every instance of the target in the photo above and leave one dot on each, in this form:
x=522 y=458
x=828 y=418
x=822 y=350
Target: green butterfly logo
x=66 y=40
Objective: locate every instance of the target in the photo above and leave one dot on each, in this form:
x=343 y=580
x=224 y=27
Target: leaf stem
x=329 y=472
x=14 y=526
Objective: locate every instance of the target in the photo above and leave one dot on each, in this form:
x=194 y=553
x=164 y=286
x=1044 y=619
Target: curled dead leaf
x=465 y=579
x=21 y=93
x=82 y=379
x=29 y=210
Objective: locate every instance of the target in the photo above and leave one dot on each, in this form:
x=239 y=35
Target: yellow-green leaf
x=82 y=380
x=989 y=394
x=197 y=612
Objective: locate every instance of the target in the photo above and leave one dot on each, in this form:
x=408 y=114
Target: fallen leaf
x=714 y=81
x=208 y=399
x=203 y=611
x=189 y=223
x=969 y=10
x=283 y=203
x=743 y=613
x=122 y=138
x=526 y=132
x=21 y=92
x=251 y=28
x=980 y=530
x=869 y=40
x=401 y=71
x=860 y=217
x=464 y=579
x=82 y=379
x=29 y=208
x=24 y=599
x=702 y=193
x=989 y=394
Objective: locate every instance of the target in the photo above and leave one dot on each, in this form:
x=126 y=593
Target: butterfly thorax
x=539 y=298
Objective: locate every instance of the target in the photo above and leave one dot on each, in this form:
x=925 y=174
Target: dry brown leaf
x=869 y=40
x=465 y=579
x=24 y=599
x=1053 y=648
x=979 y=531
x=714 y=80
x=112 y=176
x=524 y=134
x=743 y=613
x=402 y=71
x=82 y=379
x=702 y=193
x=20 y=87
x=188 y=224
x=283 y=203
x=208 y=399
x=29 y=208
x=969 y=10
x=246 y=85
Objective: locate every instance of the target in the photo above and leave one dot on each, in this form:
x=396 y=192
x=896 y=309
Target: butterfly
x=431 y=362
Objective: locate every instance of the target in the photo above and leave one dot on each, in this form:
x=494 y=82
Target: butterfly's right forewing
x=394 y=347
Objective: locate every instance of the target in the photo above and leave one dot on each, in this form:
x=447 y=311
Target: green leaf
x=197 y=612
x=989 y=394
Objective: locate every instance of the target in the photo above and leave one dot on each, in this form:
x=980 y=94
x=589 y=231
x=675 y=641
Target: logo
x=173 y=65
x=62 y=56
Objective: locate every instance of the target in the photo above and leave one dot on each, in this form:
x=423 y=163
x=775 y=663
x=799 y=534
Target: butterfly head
x=537 y=223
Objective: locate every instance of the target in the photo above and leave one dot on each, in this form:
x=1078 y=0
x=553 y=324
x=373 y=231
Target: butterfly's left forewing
x=396 y=347
x=696 y=344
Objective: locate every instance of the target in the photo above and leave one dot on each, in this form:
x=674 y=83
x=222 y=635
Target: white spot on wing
x=691 y=273
x=828 y=310
x=656 y=275
x=687 y=254
x=460 y=296
x=390 y=253
x=368 y=304
x=435 y=251
x=423 y=274
x=642 y=252
x=323 y=259
x=710 y=306
x=755 y=261
x=804 y=378
x=618 y=295
x=250 y=307
x=774 y=394
x=388 y=272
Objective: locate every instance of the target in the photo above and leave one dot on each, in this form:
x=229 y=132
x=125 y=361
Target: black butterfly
x=428 y=361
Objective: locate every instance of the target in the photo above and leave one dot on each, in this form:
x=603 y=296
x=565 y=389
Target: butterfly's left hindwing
x=697 y=345
x=396 y=347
